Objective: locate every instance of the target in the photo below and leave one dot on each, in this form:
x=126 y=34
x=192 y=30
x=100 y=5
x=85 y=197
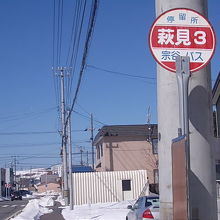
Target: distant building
x=57 y=169
x=2 y=182
x=53 y=187
x=49 y=178
x=9 y=175
x=128 y=147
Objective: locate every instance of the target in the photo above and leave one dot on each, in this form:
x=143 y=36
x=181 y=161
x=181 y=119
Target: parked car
x=25 y=192
x=141 y=206
x=16 y=195
x=152 y=212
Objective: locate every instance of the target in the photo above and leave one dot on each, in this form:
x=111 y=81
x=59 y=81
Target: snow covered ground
x=4 y=198
x=35 y=208
x=35 y=173
x=100 y=211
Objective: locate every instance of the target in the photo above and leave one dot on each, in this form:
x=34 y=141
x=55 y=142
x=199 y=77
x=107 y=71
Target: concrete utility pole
x=202 y=173
x=64 y=151
x=92 y=137
x=15 y=171
x=81 y=156
x=70 y=162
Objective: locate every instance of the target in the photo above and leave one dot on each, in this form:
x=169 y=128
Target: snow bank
x=35 y=208
x=99 y=211
x=46 y=201
x=4 y=199
x=59 y=199
x=49 y=192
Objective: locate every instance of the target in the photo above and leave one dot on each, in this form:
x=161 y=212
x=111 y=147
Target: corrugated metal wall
x=106 y=186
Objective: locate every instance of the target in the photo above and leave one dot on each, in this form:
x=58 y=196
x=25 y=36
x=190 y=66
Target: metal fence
x=112 y=186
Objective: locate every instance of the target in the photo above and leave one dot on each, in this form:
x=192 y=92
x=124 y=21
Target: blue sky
x=27 y=94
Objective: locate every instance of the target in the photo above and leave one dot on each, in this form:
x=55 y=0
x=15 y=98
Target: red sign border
x=211 y=27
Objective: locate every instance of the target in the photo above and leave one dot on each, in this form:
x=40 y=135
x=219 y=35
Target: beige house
x=216 y=103
x=128 y=147
x=54 y=187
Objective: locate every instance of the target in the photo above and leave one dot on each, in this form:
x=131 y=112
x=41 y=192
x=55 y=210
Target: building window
x=126 y=185
x=217 y=170
x=155 y=146
x=101 y=149
x=98 y=152
x=156 y=176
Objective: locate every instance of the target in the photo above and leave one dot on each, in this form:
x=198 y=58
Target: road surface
x=8 y=208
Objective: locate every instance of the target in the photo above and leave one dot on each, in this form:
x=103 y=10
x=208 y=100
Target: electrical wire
x=120 y=73
x=75 y=48
x=85 y=53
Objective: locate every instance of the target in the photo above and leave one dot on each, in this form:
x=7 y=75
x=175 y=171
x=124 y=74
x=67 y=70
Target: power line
x=120 y=73
x=87 y=117
x=29 y=145
x=85 y=53
x=77 y=29
x=25 y=115
x=36 y=132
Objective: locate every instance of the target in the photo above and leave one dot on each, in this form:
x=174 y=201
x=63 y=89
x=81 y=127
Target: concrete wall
x=103 y=187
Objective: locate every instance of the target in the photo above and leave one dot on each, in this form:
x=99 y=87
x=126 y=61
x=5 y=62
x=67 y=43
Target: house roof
x=81 y=169
x=126 y=131
x=216 y=90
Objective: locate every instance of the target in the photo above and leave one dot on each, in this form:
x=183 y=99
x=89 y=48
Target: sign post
x=182 y=32
x=176 y=35
x=180 y=148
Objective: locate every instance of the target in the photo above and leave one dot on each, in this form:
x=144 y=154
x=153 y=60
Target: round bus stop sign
x=182 y=32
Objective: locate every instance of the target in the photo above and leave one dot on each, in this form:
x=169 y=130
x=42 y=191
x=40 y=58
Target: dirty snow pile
x=47 y=193
x=35 y=208
x=60 y=200
x=4 y=199
x=99 y=211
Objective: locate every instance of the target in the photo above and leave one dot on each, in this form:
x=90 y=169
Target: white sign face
x=182 y=32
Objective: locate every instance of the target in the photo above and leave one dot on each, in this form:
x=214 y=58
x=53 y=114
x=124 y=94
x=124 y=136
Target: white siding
x=102 y=187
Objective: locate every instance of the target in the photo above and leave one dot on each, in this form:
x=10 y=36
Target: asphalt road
x=8 y=208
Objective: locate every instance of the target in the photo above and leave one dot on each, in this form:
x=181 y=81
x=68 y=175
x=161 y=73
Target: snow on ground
x=59 y=199
x=35 y=208
x=4 y=198
x=35 y=173
x=99 y=211
x=48 y=193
